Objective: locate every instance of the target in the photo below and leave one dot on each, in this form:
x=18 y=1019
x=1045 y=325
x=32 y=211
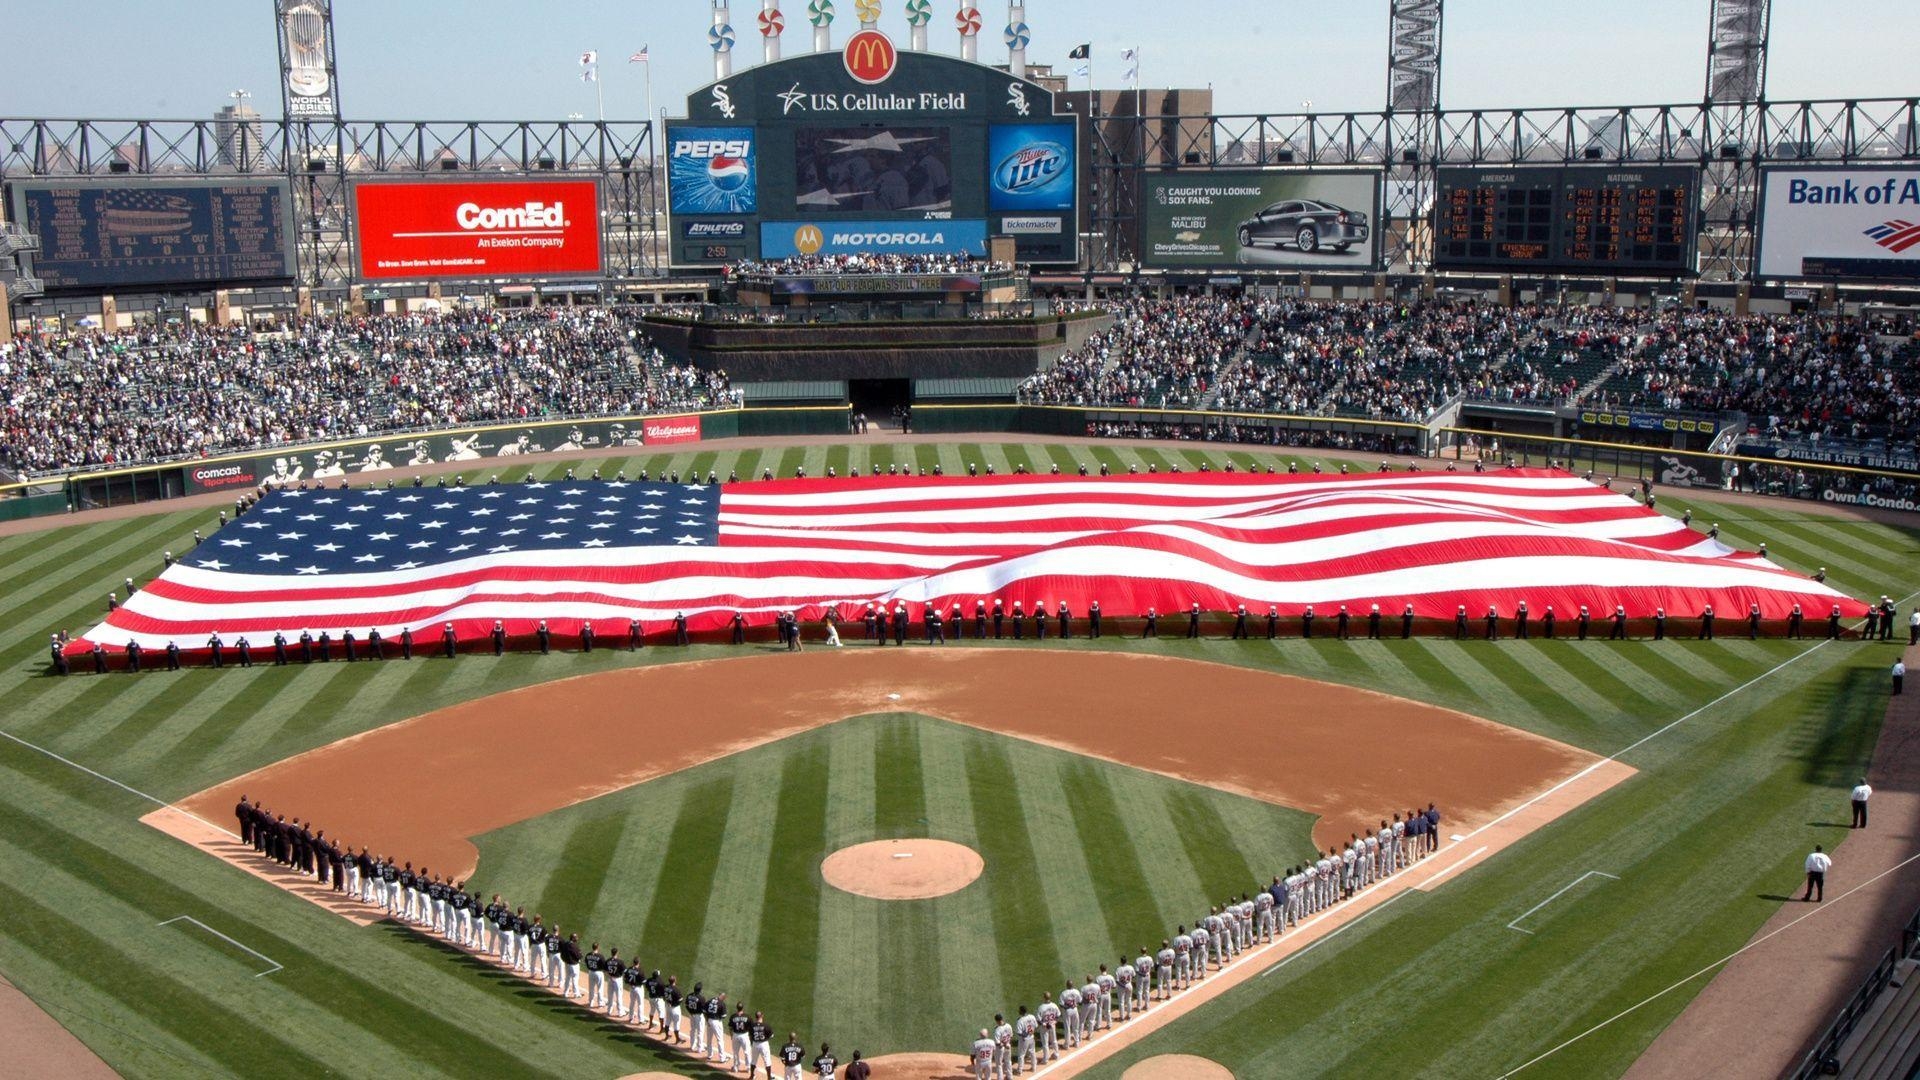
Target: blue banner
x=711 y=170
x=786 y=239
x=1031 y=167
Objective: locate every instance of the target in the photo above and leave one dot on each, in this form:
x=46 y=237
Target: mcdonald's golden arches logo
x=870 y=57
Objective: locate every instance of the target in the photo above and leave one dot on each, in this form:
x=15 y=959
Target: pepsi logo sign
x=1030 y=167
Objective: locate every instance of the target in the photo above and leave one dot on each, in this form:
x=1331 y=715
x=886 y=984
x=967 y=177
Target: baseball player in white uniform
x=1166 y=958
x=1089 y=1008
x=983 y=1050
x=1124 y=976
x=1050 y=1028
x=1371 y=867
x=1200 y=938
x=1070 y=1012
x=1263 y=913
x=1002 y=1048
x=1027 y=1027
x=1107 y=984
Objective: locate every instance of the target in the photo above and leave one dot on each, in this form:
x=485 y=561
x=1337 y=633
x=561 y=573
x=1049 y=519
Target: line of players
x=1070 y=1019
x=622 y=989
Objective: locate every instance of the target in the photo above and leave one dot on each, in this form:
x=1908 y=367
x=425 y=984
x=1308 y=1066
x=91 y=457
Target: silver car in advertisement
x=1305 y=224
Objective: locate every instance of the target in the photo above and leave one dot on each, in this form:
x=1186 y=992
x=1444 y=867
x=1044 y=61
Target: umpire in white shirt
x=1861 y=793
x=1818 y=864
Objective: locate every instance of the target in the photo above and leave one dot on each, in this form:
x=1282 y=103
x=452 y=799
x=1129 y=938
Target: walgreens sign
x=477 y=229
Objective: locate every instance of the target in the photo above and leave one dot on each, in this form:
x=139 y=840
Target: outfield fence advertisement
x=1840 y=223
x=512 y=228
x=1294 y=219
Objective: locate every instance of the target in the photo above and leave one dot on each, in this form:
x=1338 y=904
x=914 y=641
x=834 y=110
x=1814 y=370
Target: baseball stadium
x=1009 y=578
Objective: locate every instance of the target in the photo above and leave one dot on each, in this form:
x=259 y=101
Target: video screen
x=872 y=169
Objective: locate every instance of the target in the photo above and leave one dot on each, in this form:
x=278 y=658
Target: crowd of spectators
x=869 y=263
x=1159 y=354
x=92 y=398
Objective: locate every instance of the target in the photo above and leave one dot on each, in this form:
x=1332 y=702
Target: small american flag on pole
x=606 y=553
x=639 y=57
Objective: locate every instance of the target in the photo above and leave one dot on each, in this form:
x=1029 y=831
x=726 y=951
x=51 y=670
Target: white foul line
x=129 y=790
x=188 y=918
x=1515 y=924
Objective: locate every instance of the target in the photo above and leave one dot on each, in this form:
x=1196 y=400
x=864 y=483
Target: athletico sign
x=477 y=229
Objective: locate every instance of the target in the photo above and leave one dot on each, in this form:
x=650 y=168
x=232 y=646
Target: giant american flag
x=610 y=551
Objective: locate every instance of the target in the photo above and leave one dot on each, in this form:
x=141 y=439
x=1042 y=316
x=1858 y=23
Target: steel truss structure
x=323 y=157
x=1730 y=141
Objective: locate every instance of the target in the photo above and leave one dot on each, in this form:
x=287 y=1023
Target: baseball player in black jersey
x=716 y=1013
x=792 y=1056
x=596 y=966
x=826 y=1066
x=671 y=998
x=740 y=1025
x=761 y=1033
x=616 y=984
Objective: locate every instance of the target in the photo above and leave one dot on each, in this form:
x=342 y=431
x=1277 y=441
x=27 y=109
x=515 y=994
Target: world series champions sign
x=308 y=81
x=871 y=148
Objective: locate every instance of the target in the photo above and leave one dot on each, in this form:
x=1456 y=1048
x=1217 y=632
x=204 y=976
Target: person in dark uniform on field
x=1273 y=621
x=1039 y=620
x=1520 y=621
x=980 y=619
x=1341 y=623
x=900 y=623
x=1659 y=624
x=634 y=635
x=1406 y=623
x=279 y=649
x=326 y=646
x=586 y=635
x=1151 y=629
x=133 y=657
x=214 y=647
x=1793 y=623
x=406 y=643
x=499 y=638
x=447 y=640
x=173 y=656
x=1586 y=621
x=1239 y=623
x=347 y=643
x=545 y=637
x=1872 y=625
x=1373 y=623
x=871 y=619
x=244 y=812
x=1833 y=623
x=792 y=1054
x=1753 y=622
x=1019 y=621
x=998 y=617
x=1493 y=623
x=1460 y=623
x=306 y=646
x=59 y=658
x=936 y=626
x=1066 y=630
x=1306 y=622
x=1093 y=619
x=375 y=650
x=1619 y=630
x=739 y=624
x=1887 y=612
x=680 y=628
x=880 y=626
x=244 y=650
x=1706 y=623
x=1193 y=621
x=1546 y=623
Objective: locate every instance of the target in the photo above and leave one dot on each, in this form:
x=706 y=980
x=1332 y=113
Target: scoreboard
x=1599 y=219
x=154 y=234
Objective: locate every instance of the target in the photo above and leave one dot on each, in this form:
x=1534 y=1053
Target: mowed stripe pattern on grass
x=1721 y=821
x=1084 y=860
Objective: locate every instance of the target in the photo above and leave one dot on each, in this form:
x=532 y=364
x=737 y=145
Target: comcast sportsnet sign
x=476 y=229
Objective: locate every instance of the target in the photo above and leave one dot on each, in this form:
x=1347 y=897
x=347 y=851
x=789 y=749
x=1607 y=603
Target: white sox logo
x=1017 y=97
x=723 y=101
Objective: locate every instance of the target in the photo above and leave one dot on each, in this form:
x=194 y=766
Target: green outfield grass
x=1703 y=841
x=715 y=872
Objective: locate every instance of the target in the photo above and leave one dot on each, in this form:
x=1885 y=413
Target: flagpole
x=653 y=142
x=599 y=97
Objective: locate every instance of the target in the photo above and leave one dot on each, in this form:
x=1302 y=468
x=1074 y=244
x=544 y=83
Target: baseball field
x=712 y=866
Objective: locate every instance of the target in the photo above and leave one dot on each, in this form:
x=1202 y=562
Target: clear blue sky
x=495 y=59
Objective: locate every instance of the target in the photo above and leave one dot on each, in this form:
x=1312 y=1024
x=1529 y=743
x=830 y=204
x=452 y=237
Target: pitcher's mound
x=903 y=869
x=1177 y=1067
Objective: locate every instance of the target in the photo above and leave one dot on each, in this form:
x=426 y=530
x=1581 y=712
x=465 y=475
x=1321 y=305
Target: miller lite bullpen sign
x=477 y=229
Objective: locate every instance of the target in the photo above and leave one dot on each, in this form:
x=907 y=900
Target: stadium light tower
x=1413 y=126
x=1735 y=95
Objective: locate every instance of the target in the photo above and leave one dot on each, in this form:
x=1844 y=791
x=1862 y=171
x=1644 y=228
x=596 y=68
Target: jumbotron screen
x=1567 y=218
x=872 y=169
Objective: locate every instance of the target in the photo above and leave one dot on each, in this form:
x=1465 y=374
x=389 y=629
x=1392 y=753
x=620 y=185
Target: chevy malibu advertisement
x=1282 y=219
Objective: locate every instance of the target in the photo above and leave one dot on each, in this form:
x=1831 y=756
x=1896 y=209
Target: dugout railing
x=1824 y=1058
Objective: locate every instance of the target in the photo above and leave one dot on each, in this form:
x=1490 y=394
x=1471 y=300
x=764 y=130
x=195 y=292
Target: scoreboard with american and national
x=1601 y=219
